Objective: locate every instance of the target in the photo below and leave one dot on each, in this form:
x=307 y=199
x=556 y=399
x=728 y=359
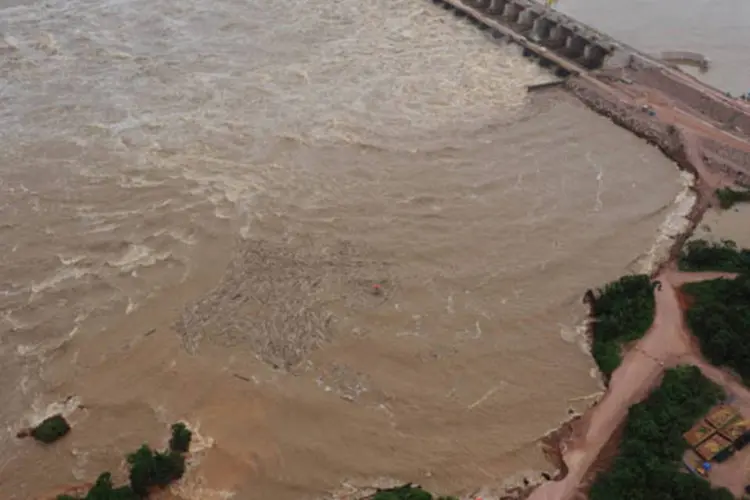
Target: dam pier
x=556 y=39
x=647 y=95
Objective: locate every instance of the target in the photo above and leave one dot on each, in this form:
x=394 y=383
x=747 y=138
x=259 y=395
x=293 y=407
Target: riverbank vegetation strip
x=702 y=255
x=407 y=492
x=729 y=197
x=648 y=464
x=622 y=312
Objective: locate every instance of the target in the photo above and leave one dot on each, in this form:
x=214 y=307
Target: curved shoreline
x=683 y=144
x=690 y=142
x=688 y=134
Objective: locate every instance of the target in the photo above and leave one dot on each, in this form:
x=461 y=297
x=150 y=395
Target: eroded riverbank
x=586 y=444
x=449 y=376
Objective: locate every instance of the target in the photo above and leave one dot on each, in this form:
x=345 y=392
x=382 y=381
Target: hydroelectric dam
x=559 y=41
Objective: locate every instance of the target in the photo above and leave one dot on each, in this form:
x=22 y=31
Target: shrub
x=104 y=490
x=701 y=255
x=406 y=492
x=181 y=436
x=51 y=429
x=728 y=197
x=150 y=469
x=623 y=311
x=720 y=319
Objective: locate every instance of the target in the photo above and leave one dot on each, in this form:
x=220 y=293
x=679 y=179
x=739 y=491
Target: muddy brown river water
x=198 y=197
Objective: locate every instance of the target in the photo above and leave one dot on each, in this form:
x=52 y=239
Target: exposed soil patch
x=706 y=135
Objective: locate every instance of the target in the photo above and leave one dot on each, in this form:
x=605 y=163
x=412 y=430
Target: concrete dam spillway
x=704 y=130
x=556 y=39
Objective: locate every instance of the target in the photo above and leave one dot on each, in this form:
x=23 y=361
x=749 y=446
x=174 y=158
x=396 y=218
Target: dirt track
x=686 y=124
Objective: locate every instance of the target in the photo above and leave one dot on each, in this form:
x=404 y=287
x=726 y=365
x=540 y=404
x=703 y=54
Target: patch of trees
x=622 y=311
x=702 y=255
x=50 y=429
x=406 y=492
x=648 y=466
x=728 y=197
x=149 y=469
x=720 y=319
x=103 y=489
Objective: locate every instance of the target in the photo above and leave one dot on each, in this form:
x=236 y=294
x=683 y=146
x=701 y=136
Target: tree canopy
x=103 y=489
x=51 y=429
x=729 y=197
x=181 y=436
x=648 y=464
x=702 y=255
x=720 y=319
x=622 y=311
x=149 y=469
x=406 y=492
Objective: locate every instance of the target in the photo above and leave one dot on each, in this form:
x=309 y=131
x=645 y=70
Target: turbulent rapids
x=198 y=198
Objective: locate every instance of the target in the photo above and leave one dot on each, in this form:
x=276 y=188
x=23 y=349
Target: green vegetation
x=728 y=197
x=180 y=440
x=702 y=255
x=406 y=492
x=622 y=311
x=104 y=490
x=720 y=319
x=149 y=469
x=648 y=465
x=51 y=429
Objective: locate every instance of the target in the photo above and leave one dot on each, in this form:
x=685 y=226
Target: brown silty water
x=197 y=200
x=731 y=224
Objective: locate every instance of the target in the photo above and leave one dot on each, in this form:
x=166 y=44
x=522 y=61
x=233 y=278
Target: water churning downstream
x=197 y=198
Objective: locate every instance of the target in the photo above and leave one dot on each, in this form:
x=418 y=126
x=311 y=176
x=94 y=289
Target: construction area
x=721 y=435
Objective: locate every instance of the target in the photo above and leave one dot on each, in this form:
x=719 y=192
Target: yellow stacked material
x=735 y=429
x=699 y=433
x=712 y=446
x=721 y=415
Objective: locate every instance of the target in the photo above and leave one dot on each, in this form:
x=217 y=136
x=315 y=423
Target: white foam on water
x=80 y=470
x=673 y=225
x=60 y=276
x=178 y=235
x=26 y=350
x=40 y=410
x=192 y=489
x=138 y=256
x=13 y=322
x=192 y=485
x=68 y=261
x=199 y=443
x=137 y=181
x=39 y=350
x=103 y=228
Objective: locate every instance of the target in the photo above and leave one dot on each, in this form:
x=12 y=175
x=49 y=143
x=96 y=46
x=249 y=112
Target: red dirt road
x=667 y=343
